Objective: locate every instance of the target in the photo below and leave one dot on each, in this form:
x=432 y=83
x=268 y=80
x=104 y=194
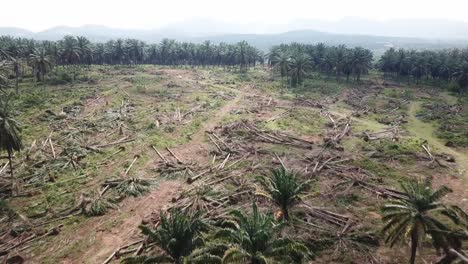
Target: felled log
x=328 y=216
x=194 y=178
x=277 y=137
x=309 y=103
x=279 y=116
x=391 y=133
x=118 y=142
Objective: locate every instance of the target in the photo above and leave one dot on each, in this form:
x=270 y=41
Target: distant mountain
x=375 y=43
x=16 y=32
x=201 y=27
x=199 y=30
x=93 y=32
x=414 y=28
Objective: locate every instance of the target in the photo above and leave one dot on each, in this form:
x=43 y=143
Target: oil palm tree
x=4 y=54
x=17 y=67
x=417 y=215
x=10 y=139
x=242 y=54
x=41 y=64
x=70 y=52
x=4 y=71
x=85 y=50
x=119 y=51
x=280 y=60
x=178 y=236
x=299 y=64
x=256 y=239
x=361 y=61
x=135 y=50
x=462 y=77
x=283 y=188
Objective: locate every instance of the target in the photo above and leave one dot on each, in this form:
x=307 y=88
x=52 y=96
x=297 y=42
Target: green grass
x=378 y=168
x=303 y=122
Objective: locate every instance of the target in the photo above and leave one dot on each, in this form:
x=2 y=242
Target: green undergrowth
x=303 y=122
x=451 y=126
x=399 y=150
x=378 y=168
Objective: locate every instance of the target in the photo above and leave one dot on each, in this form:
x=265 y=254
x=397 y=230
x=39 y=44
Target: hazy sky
x=146 y=14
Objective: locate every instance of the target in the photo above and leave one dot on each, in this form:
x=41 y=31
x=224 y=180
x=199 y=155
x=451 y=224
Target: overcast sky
x=148 y=14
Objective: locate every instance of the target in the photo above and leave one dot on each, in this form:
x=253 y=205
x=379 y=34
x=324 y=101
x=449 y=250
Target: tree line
x=448 y=66
x=293 y=61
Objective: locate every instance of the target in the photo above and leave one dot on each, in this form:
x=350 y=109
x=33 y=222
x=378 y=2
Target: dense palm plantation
x=79 y=50
x=293 y=61
x=443 y=65
x=296 y=61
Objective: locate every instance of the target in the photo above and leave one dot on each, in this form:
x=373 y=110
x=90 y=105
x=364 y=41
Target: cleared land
x=184 y=130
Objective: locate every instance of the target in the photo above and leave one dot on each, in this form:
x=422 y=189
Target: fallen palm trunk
x=281 y=161
x=381 y=191
x=433 y=159
x=174 y=155
x=121 y=149
x=131 y=164
x=214 y=142
x=464 y=258
x=159 y=154
x=283 y=114
x=119 y=252
x=277 y=137
x=51 y=232
x=194 y=178
x=331 y=217
x=335 y=138
x=391 y=133
x=309 y=103
x=118 y=142
x=218 y=167
x=52 y=148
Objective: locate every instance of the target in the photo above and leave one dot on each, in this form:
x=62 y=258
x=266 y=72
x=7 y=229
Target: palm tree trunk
x=414 y=245
x=286 y=213
x=16 y=84
x=11 y=171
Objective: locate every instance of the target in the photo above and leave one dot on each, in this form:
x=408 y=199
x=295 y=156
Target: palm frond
x=99 y=206
x=235 y=255
x=133 y=187
x=147 y=260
